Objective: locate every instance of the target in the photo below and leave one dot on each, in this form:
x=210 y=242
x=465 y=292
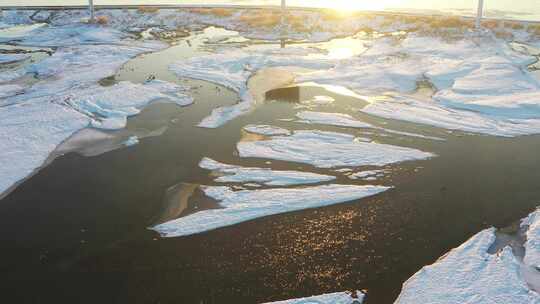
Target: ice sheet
x=329 y=298
x=468 y=274
x=245 y=205
x=328 y=150
x=238 y=174
x=335 y=119
x=266 y=130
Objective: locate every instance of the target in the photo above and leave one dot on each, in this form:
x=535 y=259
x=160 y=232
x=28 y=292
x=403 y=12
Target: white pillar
x=480 y=13
x=91 y=8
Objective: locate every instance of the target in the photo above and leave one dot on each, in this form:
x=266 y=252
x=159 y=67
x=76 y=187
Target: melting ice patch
x=111 y=106
x=238 y=174
x=329 y=298
x=245 y=205
x=232 y=69
x=328 y=150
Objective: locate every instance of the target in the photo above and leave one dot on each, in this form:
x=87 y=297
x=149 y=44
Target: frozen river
x=162 y=159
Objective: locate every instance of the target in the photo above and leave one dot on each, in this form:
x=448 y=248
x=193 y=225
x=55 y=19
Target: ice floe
x=266 y=130
x=245 y=205
x=345 y=120
x=238 y=174
x=532 y=245
x=329 y=298
x=471 y=273
x=233 y=69
x=409 y=109
x=335 y=119
x=482 y=85
x=328 y=150
x=111 y=106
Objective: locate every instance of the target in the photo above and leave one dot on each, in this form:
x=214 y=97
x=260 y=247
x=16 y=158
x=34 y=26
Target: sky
x=518 y=6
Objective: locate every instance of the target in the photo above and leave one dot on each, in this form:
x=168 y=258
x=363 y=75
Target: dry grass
x=503 y=34
x=491 y=24
x=261 y=18
x=449 y=22
x=514 y=25
x=534 y=28
x=147 y=9
x=102 y=20
x=219 y=12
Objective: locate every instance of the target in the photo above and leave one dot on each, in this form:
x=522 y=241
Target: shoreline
x=247 y=7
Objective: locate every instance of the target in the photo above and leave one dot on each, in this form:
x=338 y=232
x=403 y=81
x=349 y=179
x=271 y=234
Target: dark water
x=76 y=231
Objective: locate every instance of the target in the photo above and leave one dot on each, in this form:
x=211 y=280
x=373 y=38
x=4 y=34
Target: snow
x=238 y=174
x=328 y=150
x=12 y=58
x=329 y=298
x=334 y=119
x=67 y=97
x=245 y=205
x=469 y=274
x=532 y=245
x=266 y=130
x=173 y=91
x=483 y=86
x=29 y=132
x=8 y=90
x=18 y=32
x=72 y=35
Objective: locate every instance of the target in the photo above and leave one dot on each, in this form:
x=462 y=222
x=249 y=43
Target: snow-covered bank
x=470 y=274
x=328 y=150
x=329 y=298
x=38 y=116
x=238 y=174
x=245 y=205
